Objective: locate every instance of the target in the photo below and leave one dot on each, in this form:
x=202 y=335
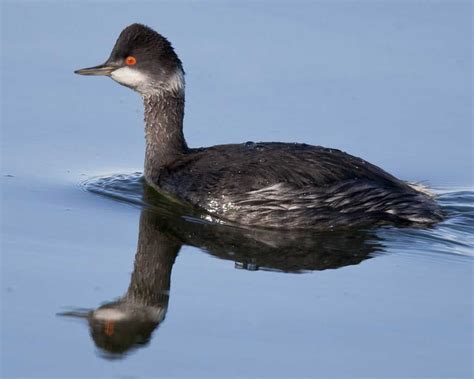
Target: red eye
x=130 y=60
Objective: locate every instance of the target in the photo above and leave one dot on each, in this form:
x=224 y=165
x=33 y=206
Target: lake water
x=81 y=236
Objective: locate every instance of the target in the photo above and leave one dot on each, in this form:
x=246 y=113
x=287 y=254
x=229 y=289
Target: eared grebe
x=275 y=185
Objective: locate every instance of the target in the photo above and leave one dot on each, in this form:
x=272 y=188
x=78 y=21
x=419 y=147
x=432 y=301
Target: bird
x=252 y=184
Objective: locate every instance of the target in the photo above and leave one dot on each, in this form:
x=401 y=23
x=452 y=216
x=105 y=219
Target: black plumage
x=293 y=186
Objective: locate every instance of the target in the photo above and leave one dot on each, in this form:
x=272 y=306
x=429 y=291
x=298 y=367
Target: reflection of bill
x=119 y=326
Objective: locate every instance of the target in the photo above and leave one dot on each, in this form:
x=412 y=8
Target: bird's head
x=143 y=60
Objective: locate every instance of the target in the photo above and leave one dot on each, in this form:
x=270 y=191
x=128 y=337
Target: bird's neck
x=156 y=253
x=164 y=112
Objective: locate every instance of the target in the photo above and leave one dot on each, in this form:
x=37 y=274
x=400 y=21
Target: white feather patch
x=422 y=188
x=110 y=314
x=176 y=81
x=133 y=78
x=130 y=77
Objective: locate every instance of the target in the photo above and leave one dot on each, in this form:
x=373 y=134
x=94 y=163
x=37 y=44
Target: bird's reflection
x=122 y=325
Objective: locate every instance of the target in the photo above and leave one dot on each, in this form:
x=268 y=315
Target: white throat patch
x=140 y=82
x=130 y=77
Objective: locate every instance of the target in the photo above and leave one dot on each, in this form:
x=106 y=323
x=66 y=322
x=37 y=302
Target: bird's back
x=291 y=185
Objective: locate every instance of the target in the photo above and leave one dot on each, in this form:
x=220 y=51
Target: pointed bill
x=102 y=69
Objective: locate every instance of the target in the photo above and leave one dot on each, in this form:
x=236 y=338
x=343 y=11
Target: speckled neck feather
x=164 y=112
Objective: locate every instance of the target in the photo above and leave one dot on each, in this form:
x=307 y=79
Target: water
x=387 y=81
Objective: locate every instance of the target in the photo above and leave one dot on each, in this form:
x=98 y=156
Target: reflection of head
x=118 y=327
x=121 y=326
x=128 y=323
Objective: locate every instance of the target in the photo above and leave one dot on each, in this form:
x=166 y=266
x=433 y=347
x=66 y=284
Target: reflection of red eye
x=130 y=60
